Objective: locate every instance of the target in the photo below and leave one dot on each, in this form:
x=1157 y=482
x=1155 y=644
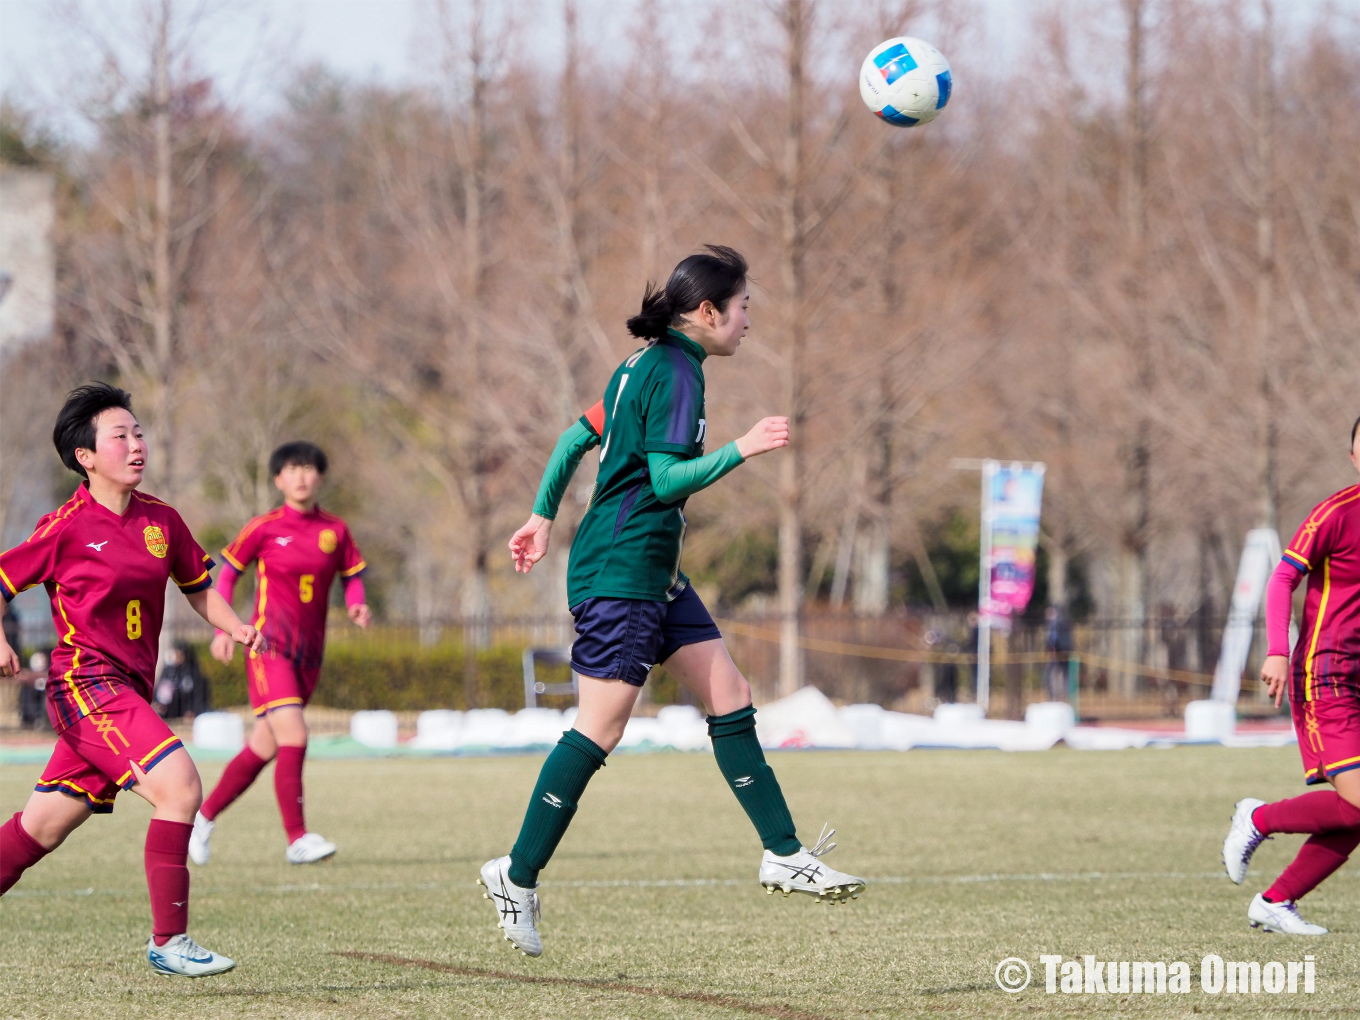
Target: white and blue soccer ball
x=905 y=81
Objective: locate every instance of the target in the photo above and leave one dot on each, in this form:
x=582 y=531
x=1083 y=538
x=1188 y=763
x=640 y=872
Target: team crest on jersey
x=156 y=544
x=328 y=541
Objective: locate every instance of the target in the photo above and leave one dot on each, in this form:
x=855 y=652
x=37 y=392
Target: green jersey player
x=632 y=606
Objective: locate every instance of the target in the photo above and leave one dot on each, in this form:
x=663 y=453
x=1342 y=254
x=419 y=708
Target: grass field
x=981 y=856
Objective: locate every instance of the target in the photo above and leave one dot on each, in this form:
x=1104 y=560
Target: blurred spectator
x=10 y=624
x=33 y=692
x=1058 y=641
x=182 y=689
x=947 y=677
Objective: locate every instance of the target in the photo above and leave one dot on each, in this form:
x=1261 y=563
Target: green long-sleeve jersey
x=651 y=440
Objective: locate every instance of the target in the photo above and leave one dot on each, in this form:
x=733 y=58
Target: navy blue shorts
x=622 y=639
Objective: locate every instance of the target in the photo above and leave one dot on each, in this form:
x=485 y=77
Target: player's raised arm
x=529 y=544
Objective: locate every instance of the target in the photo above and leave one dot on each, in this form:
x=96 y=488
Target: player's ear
x=84 y=457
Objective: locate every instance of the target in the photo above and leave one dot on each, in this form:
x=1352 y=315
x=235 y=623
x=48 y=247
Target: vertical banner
x=1012 y=495
x=1011 y=519
x=1259 y=556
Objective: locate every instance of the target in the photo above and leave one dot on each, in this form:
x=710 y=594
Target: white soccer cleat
x=310 y=848
x=1242 y=840
x=804 y=872
x=184 y=957
x=1280 y=917
x=199 y=850
x=517 y=907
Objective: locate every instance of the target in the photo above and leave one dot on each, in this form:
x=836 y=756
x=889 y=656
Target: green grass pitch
x=983 y=856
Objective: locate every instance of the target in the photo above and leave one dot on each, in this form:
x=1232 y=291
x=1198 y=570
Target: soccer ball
x=905 y=81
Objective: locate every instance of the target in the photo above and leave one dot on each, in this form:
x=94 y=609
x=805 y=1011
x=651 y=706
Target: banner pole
x=984 y=648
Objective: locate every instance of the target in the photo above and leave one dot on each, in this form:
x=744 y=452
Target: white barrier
x=219 y=731
x=804 y=719
x=374 y=729
x=1210 y=720
x=438 y=729
x=1054 y=716
x=961 y=713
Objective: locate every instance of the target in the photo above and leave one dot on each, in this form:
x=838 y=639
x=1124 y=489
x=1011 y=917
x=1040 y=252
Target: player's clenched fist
x=247 y=635
x=765 y=435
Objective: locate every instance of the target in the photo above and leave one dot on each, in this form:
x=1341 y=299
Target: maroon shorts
x=1328 y=729
x=274 y=681
x=93 y=758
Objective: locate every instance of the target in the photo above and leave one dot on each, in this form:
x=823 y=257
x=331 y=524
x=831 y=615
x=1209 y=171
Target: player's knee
x=48 y=828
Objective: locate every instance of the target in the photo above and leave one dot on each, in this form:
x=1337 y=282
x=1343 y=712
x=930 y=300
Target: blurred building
x=28 y=269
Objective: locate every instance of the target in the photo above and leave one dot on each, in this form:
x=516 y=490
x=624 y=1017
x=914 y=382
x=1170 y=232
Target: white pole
x=984 y=649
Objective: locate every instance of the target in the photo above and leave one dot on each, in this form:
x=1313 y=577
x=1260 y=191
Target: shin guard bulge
x=288 y=789
x=1320 y=811
x=1319 y=856
x=167 y=877
x=743 y=765
x=561 y=782
x=240 y=772
x=18 y=852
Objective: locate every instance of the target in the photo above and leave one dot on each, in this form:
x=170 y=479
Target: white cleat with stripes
x=310 y=848
x=806 y=873
x=517 y=908
x=181 y=956
x=1280 y=917
x=1242 y=840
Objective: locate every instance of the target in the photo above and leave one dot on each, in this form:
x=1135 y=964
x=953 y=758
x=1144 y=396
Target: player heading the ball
x=1324 y=699
x=633 y=607
x=105 y=557
x=298 y=551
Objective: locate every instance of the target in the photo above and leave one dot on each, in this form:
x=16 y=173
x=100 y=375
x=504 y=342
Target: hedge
x=411 y=679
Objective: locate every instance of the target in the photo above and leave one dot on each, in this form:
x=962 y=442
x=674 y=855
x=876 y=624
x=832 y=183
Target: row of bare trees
x=1132 y=252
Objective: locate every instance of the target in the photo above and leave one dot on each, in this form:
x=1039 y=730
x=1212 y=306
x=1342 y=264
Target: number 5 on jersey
x=305 y=587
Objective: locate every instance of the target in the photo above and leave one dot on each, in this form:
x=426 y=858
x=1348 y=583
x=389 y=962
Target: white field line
x=661 y=883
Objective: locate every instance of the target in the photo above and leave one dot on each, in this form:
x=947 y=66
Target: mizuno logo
x=741 y=781
x=97 y=546
x=284 y=541
x=174 y=904
x=552 y=800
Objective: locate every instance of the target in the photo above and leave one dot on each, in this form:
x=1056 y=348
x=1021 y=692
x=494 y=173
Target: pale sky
x=385 y=39
x=364 y=39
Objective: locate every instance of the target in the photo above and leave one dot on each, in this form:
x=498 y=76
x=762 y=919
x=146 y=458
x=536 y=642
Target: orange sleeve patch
x=595 y=416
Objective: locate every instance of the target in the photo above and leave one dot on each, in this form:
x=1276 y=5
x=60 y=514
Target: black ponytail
x=655 y=316
x=716 y=276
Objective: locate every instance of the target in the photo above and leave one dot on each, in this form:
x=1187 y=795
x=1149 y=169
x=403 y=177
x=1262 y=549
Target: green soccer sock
x=560 y=784
x=743 y=766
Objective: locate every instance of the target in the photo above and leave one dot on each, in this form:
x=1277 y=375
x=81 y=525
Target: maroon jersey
x=298 y=556
x=1327 y=548
x=106 y=576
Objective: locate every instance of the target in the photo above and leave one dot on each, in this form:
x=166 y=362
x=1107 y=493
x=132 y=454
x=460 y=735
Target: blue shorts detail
x=622 y=639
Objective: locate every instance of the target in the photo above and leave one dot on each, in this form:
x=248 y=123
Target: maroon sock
x=18 y=852
x=240 y=773
x=288 y=789
x=167 y=877
x=1322 y=811
x=1318 y=857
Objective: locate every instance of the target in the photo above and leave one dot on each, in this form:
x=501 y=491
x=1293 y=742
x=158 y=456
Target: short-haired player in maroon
x=1324 y=699
x=105 y=558
x=298 y=550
